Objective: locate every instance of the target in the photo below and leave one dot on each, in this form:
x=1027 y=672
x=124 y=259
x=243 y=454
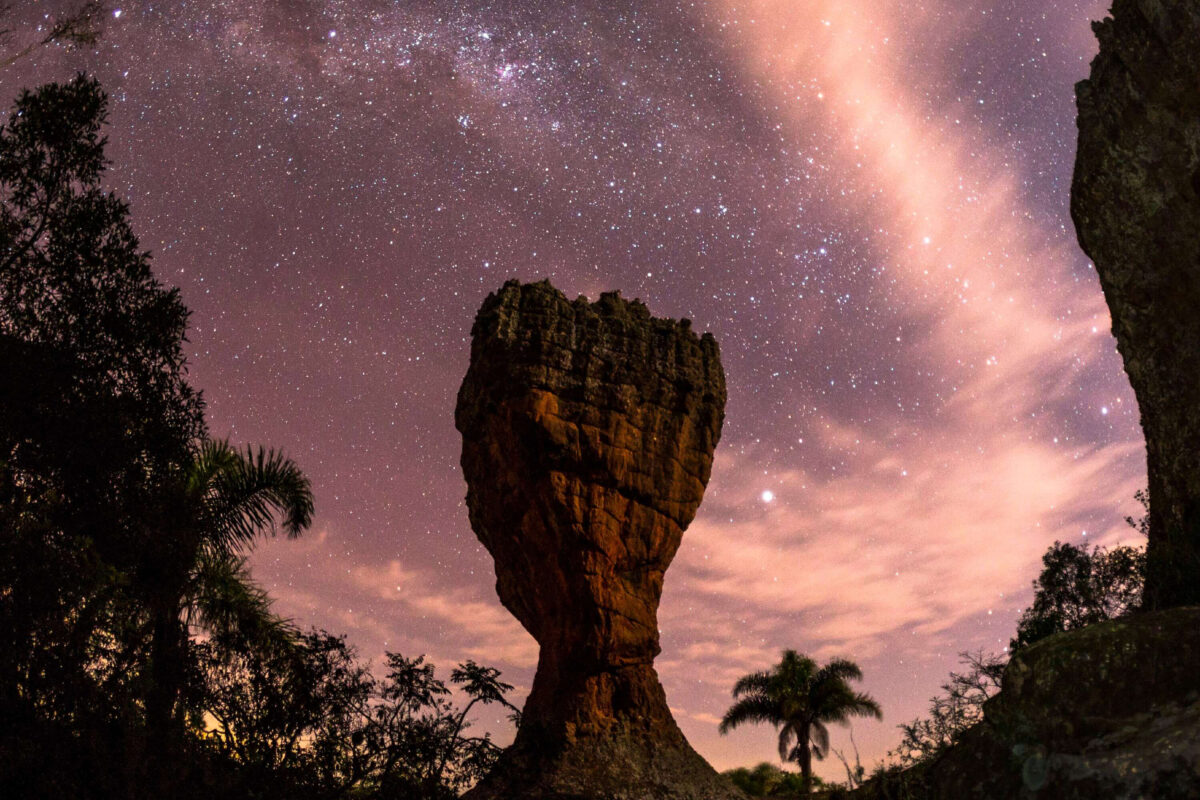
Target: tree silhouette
x=302 y=718
x=94 y=408
x=1079 y=587
x=72 y=29
x=954 y=712
x=800 y=698
x=208 y=512
x=95 y=341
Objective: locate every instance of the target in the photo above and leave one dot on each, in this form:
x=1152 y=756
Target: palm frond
x=229 y=605
x=214 y=457
x=865 y=706
x=251 y=492
x=751 y=708
x=850 y=704
x=787 y=735
x=819 y=736
x=754 y=682
x=840 y=669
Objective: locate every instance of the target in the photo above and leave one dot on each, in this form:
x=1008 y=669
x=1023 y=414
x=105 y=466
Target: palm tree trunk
x=805 y=759
x=166 y=667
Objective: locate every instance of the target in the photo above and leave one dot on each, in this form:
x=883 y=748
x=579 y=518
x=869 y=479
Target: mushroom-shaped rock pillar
x=588 y=436
x=1135 y=200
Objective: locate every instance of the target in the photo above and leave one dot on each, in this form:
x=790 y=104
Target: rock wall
x=588 y=437
x=1135 y=200
x=1107 y=711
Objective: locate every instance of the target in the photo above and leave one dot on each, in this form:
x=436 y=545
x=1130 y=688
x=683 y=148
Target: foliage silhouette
x=302 y=716
x=953 y=713
x=77 y=28
x=208 y=512
x=768 y=780
x=138 y=658
x=1078 y=587
x=94 y=408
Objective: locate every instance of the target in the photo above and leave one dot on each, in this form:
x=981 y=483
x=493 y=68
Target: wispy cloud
x=908 y=513
x=484 y=630
x=898 y=529
x=392 y=606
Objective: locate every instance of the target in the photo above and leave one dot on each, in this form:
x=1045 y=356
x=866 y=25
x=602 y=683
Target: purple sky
x=864 y=200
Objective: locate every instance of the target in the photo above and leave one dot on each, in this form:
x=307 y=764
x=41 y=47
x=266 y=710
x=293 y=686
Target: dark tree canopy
x=768 y=780
x=1079 y=587
x=95 y=340
x=138 y=658
x=94 y=412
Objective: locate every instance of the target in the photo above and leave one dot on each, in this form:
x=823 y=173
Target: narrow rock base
x=620 y=765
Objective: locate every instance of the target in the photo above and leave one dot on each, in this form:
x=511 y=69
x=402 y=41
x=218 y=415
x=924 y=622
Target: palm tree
x=799 y=699
x=210 y=511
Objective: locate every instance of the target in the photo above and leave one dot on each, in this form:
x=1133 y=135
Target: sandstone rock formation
x=588 y=436
x=1107 y=711
x=1136 y=205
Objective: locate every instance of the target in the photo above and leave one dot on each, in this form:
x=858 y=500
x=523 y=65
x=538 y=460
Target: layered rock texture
x=588 y=436
x=1136 y=205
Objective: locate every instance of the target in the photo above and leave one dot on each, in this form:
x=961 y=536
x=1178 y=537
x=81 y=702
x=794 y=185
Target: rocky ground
x=1107 y=712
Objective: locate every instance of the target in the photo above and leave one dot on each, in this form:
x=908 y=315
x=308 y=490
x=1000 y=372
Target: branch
x=853 y=777
x=78 y=28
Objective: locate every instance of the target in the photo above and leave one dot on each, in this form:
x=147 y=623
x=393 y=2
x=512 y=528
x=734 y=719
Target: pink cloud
x=926 y=526
x=393 y=606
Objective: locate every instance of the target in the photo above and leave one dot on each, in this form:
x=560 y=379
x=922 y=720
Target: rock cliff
x=1135 y=200
x=1113 y=710
x=588 y=436
x=1108 y=711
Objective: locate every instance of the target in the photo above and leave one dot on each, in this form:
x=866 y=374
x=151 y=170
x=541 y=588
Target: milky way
x=864 y=200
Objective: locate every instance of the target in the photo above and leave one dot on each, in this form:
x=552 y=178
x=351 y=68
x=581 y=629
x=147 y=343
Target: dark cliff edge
x=1113 y=710
x=1135 y=200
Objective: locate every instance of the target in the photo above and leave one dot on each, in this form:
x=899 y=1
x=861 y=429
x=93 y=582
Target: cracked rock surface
x=1135 y=200
x=588 y=436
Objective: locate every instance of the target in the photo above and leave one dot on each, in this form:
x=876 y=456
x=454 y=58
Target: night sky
x=865 y=201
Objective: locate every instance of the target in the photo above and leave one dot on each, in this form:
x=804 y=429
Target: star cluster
x=864 y=200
